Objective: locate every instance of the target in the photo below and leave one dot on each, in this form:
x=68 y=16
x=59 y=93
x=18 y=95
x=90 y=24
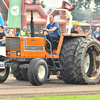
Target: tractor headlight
x=8 y=52
x=18 y=53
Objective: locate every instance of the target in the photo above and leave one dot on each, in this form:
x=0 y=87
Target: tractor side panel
x=34 y=48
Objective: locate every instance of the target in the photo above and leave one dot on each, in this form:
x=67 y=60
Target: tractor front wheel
x=37 y=71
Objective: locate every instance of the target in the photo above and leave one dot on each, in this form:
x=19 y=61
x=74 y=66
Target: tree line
x=82 y=9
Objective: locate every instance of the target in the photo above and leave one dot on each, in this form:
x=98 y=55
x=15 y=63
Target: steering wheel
x=46 y=31
x=40 y=31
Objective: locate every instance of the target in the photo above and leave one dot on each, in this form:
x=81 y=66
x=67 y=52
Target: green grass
x=80 y=97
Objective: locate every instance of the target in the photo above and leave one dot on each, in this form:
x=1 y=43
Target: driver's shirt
x=57 y=31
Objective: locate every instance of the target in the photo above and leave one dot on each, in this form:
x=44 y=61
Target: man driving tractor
x=52 y=31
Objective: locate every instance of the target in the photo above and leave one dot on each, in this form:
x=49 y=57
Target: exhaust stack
x=32 y=24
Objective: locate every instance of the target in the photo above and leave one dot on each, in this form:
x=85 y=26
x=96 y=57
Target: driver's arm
x=52 y=30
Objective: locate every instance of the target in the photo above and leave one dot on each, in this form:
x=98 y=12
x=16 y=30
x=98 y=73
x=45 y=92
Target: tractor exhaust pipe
x=32 y=24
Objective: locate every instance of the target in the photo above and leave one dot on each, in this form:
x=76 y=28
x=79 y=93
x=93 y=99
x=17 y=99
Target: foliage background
x=82 y=10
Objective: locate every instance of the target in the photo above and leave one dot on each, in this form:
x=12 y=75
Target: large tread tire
x=34 y=69
x=16 y=73
x=4 y=73
x=72 y=60
x=24 y=72
x=67 y=60
x=20 y=73
x=79 y=56
x=30 y=76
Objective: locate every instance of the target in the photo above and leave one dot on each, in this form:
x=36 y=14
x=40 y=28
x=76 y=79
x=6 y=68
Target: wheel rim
x=2 y=72
x=96 y=69
x=86 y=63
x=41 y=72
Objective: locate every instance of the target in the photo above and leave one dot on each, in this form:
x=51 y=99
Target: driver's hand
x=45 y=33
x=41 y=31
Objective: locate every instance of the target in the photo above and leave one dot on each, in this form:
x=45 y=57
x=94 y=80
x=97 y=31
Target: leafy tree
x=81 y=3
x=82 y=11
x=96 y=10
x=42 y=3
x=82 y=14
x=49 y=9
x=97 y=3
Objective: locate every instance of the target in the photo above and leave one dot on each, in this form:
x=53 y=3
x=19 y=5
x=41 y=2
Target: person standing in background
x=96 y=33
x=90 y=33
x=9 y=33
x=2 y=36
x=22 y=32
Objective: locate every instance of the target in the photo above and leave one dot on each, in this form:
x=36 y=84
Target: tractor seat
x=55 y=44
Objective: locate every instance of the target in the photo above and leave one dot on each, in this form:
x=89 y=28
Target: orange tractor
x=75 y=56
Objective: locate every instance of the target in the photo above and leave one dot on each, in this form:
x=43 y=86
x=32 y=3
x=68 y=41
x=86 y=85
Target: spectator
x=9 y=32
x=77 y=29
x=5 y=30
x=81 y=32
x=86 y=31
x=22 y=32
x=96 y=33
x=89 y=35
x=5 y=23
x=2 y=36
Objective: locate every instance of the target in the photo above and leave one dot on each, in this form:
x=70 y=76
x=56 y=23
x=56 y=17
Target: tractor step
x=52 y=56
x=56 y=61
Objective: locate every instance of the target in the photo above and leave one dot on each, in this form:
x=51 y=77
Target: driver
x=52 y=31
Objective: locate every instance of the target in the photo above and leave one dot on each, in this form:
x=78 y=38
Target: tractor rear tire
x=73 y=57
x=24 y=72
x=67 y=60
x=37 y=71
x=84 y=66
x=20 y=73
x=4 y=73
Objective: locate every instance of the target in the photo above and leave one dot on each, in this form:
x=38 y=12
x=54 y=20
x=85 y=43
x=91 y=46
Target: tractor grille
x=13 y=43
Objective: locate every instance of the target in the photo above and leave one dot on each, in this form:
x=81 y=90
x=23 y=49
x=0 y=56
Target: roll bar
x=70 y=18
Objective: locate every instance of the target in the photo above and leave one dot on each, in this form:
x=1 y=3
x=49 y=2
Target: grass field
x=81 y=97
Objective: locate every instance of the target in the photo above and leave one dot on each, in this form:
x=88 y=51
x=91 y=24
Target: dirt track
x=15 y=89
